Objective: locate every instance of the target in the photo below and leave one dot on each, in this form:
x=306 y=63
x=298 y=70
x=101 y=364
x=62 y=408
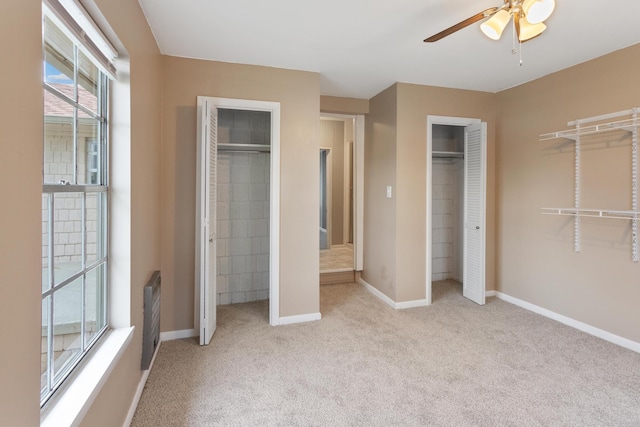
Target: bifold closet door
x=475 y=154
x=206 y=223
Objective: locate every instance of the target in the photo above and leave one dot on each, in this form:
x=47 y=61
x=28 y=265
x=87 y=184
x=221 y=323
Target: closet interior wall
x=243 y=207
x=448 y=204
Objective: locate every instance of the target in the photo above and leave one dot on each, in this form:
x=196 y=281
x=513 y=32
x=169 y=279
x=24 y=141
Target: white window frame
x=56 y=377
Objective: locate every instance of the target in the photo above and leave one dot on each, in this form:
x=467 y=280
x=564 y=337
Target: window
x=75 y=197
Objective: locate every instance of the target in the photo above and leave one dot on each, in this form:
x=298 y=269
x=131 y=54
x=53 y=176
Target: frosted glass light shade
x=529 y=30
x=494 y=26
x=537 y=11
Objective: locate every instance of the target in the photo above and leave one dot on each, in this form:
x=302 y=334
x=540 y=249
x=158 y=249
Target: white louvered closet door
x=208 y=157
x=475 y=149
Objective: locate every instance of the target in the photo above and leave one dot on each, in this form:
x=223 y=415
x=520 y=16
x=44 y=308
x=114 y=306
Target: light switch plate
x=388 y=191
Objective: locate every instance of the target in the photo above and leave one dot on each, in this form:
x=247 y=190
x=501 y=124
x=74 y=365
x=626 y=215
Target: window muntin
x=74 y=207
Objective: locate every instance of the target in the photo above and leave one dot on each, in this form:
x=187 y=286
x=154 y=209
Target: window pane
x=58 y=57
x=67 y=235
x=96 y=227
x=58 y=140
x=46 y=282
x=67 y=321
x=88 y=79
x=93 y=162
x=44 y=354
x=95 y=295
x=87 y=155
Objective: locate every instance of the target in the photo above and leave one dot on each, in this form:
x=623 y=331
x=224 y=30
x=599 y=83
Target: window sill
x=71 y=403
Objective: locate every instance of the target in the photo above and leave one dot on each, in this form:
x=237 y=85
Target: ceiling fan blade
x=460 y=25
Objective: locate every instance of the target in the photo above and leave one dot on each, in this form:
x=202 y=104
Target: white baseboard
x=141 y=384
x=177 y=335
x=488 y=294
x=338 y=270
x=290 y=320
x=385 y=299
x=591 y=330
x=411 y=304
x=391 y=303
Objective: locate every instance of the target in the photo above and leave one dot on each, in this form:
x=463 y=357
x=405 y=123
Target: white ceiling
x=361 y=47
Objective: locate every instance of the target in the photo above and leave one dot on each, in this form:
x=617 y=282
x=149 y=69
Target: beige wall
x=336 y=104
x=415 y=103
x=20 y=211
x=599 y=285
x=379 y=172
x=299 y=95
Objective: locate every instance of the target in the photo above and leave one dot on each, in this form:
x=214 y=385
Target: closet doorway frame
x=431 y=121
x=274 y=201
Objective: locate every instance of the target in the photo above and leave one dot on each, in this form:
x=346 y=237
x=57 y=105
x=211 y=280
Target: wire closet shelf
x=627 y=121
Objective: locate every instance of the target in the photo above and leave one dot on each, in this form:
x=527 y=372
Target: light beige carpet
x=451 y=364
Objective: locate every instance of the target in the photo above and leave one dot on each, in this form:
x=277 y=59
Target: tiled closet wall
x=243 y=213
x=448 y=207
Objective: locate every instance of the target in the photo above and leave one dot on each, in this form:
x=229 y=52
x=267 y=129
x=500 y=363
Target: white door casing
x=448 y=121
x=475 y=182
x=358 y=186
x=206 y=169
x=205 y=295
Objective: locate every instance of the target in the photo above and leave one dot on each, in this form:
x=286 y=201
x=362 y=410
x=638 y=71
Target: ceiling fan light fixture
x=527 y=30
x=537 y=11
x=494 y=26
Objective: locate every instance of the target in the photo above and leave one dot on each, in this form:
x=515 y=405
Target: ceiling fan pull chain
x=516 y=39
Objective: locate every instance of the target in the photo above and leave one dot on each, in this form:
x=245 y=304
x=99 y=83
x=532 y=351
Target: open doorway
x=456 y=200
x=337 y=195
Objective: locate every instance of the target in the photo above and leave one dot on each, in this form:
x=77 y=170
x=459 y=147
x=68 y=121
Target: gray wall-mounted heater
x=151 y=329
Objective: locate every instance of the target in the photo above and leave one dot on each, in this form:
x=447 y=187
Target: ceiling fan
x=528 y=19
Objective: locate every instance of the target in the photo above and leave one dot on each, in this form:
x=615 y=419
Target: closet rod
x=245 y=148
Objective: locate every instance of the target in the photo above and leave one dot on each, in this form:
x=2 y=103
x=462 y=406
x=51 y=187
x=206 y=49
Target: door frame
x=274 y=201
x=357 y=170
x=349 y=151
x=436 y=120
